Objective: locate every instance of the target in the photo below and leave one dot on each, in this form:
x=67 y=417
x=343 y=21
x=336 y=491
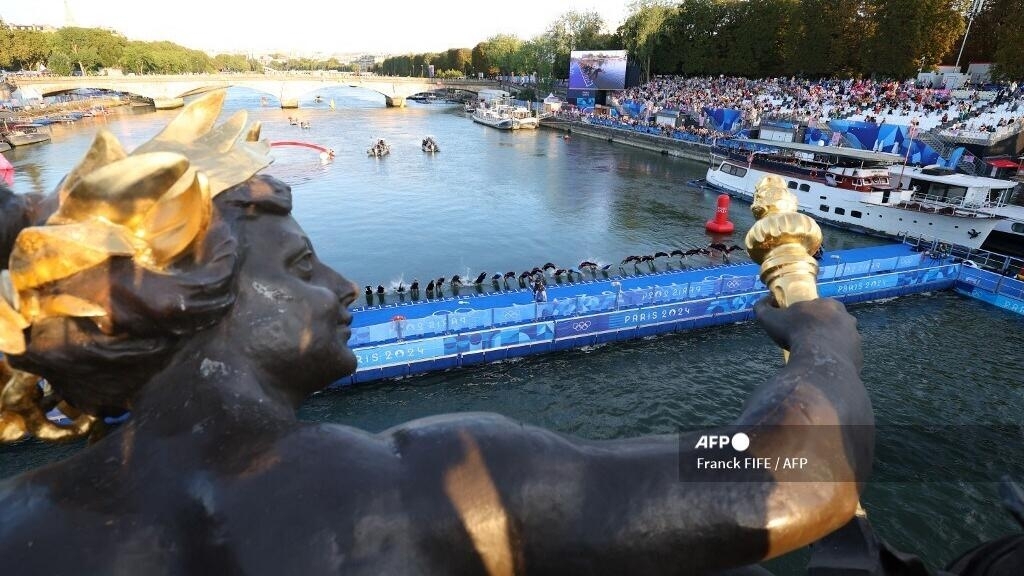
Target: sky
x=306 y=28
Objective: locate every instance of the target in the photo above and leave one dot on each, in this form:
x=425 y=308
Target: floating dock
x=417 y=337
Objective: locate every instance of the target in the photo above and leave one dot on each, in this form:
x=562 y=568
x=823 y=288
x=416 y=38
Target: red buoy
x=721 y=223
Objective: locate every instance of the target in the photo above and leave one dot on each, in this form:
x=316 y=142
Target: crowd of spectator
x=813 y=101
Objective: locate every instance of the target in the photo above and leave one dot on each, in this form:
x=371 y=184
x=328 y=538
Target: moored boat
x=491 y=117
x=1008 y=235
x=522 y=118
x=854 y=189
x=25 y=134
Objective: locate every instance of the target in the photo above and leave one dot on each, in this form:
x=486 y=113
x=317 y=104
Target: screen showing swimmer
x=597 y=70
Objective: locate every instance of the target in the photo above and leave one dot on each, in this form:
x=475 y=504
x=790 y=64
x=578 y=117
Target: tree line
x=823 y=38
x=760 y=38
x=72 y=50
x=753 y=38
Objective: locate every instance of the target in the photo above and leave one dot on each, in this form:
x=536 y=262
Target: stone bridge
x=169 y=91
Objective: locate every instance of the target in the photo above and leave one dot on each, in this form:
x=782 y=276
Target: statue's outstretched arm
x=530 y=499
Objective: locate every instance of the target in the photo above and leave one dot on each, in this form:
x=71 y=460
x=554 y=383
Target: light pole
x=976 y=6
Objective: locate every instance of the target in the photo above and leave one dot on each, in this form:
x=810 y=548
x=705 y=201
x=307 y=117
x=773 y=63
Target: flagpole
x=913 y=133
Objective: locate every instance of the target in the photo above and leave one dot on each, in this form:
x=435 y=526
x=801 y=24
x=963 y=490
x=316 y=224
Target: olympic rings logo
x=581 y=326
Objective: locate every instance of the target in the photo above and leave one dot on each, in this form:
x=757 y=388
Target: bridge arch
x=169 y=91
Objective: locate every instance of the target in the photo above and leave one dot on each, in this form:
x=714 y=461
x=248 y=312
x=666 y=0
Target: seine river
x=497 y=201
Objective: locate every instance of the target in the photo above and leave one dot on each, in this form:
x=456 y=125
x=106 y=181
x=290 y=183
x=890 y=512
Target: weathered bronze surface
x=213 y=343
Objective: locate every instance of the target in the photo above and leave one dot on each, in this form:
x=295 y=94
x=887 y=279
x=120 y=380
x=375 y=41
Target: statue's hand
x=822 y=322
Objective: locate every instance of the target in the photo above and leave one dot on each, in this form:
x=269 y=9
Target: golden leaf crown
x=153 y=205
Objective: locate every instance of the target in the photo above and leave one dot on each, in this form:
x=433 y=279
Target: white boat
x=491 y=117
x=24 y=134
x=378 y=149
x=1008 y=235
x=854 y=189
x=506 y=117
x=522 y=119
x=430 y=145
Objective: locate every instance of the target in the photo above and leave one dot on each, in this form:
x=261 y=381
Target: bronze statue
x=175 y=284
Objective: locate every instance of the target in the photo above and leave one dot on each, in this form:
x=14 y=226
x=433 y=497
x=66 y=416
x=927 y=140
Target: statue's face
x=291 y=317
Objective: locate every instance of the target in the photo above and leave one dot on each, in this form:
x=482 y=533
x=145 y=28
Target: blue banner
x=499 y=338
x=909 y=261
x=737 y=284
x=399 y=353
x=985 y=280
x=659 y=314
x=596 y=303
x=515 y=313
x=579 y=326
x=854 y=268
x=858 y=285
x=1011 y=304
x=469 y=319
x=705 y=289
x=884 y=264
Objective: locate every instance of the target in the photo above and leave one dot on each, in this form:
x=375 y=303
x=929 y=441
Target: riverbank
x=36 y=111
x=661 y=144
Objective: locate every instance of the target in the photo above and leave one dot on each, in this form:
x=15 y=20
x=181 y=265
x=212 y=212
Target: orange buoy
x=721 y=224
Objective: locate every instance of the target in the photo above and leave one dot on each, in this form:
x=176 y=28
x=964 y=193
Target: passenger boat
x=522 y=119
x=430 y=145
x=493 y=118
x=378 y=149
x=855 y=189
x=24 y=134
x=1008 y=235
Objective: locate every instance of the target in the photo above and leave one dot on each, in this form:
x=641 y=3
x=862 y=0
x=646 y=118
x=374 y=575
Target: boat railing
x=936 y=248
x=933 y=203
x=691 y=294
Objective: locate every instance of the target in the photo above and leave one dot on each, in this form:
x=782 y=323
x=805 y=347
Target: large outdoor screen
x=597 y=70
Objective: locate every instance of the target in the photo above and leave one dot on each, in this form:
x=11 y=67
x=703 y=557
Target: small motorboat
x=430 y=145
x=378 y=149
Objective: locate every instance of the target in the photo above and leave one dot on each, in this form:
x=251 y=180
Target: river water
x=497 y=201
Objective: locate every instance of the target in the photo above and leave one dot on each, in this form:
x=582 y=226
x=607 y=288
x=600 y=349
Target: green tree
x=912 y=34
x=643 y=28
x=501 y=52
x=459 y=59
x=578 y=31
x=694 y=30
x=816 y=50
x=90 y=48
x=61 y=63
x=137 y=58
x=1009 y=58
x=25 y=49
x=231 y=63
x=989 y=26
x=538 y=56
x=479 y=58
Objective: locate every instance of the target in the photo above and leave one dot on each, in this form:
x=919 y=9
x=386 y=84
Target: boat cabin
x=943 y=186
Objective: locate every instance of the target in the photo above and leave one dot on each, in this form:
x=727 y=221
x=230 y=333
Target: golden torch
x=782 y=241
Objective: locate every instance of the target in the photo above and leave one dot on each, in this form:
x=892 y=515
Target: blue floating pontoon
x=411 y=338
